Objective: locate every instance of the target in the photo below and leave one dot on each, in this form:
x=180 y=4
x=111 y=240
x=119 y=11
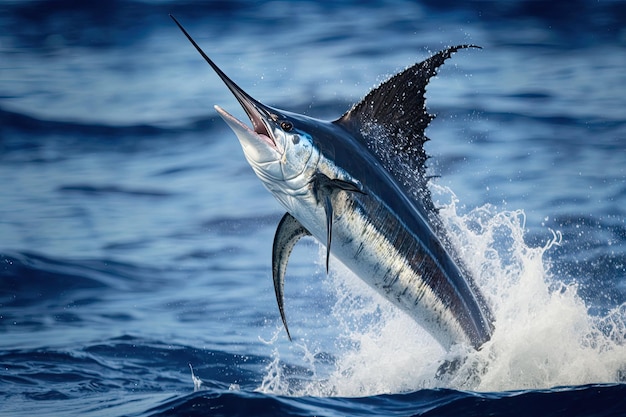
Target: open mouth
x=258 y=124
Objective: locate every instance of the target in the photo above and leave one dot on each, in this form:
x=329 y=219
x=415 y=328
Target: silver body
x=376 y=245
x=335 y=179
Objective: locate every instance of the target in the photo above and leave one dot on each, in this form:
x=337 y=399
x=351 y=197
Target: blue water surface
x=135 y=240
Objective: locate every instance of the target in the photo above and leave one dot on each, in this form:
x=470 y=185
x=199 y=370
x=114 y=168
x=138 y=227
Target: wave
x=112 y=189
x=596 y=400
x=14 y=122
x=131 y=375
x=113 y=365
x=32 y=280
x=122 y=22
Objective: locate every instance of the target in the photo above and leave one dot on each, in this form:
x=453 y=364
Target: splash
x=544 y=335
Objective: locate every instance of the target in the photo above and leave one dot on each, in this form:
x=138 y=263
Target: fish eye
x=286 y=126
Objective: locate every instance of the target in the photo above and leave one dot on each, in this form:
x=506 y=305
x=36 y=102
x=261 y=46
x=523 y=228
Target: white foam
x=544 y=335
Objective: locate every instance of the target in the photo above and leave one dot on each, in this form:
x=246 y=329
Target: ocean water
x=135 y=240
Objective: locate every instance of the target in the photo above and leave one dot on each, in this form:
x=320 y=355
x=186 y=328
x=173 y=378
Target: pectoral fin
x=324 y=187
x=288 y=233
x=328 y=207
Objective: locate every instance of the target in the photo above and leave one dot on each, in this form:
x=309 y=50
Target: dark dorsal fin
x=391 y=122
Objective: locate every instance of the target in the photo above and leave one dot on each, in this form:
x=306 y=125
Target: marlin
x=359 y=186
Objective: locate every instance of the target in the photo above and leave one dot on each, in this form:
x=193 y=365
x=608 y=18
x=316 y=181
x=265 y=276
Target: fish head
x=275 y=147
